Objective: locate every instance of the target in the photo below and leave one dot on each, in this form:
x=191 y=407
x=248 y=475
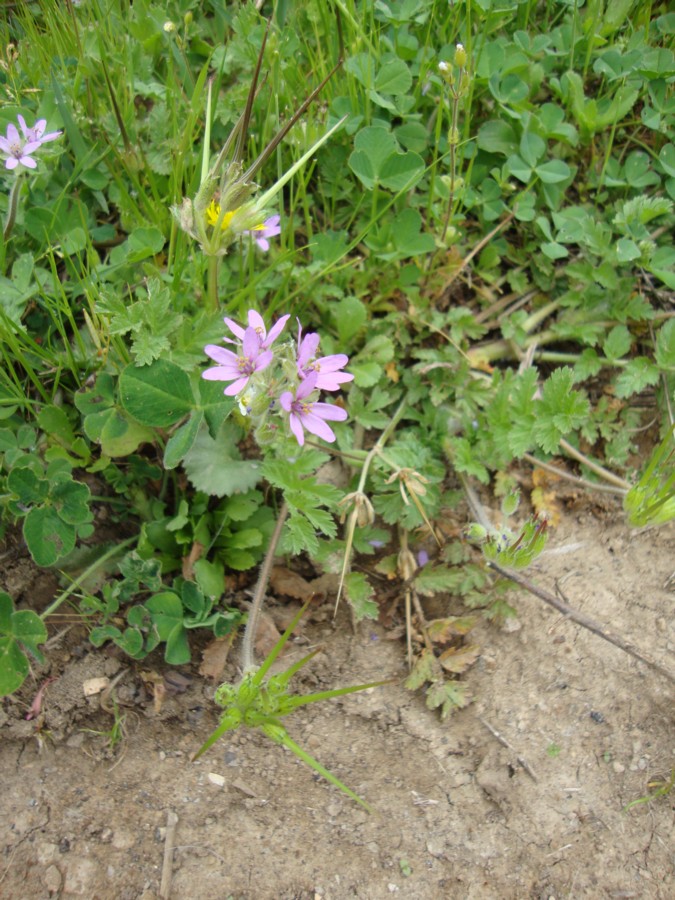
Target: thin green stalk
x=12 y=208
x=351 y=525
x=248 y=643
x=63 y=596
x=212 y=284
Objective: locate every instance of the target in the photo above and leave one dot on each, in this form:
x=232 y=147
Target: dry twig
x=167 y=864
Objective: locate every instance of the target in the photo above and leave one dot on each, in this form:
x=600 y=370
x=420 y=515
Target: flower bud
x=460 y=56
x=169 y=27
x=406 y=564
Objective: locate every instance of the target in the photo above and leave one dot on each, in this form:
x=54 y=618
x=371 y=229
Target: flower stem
x=212 y=289
x=247 y=651
x=11 y=210
x=97 y=564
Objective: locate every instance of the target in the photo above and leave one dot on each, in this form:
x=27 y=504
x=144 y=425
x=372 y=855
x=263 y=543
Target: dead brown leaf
x=458 y=660
x=214 y=657
x=290 y=584
x=189 y=561
x=441 y=631
x=267 y=636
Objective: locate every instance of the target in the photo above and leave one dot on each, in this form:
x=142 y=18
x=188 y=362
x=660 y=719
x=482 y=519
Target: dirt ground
x=458 y=814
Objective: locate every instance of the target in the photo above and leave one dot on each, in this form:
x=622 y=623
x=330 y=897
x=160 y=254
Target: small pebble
x=618 y=768
x=218 y=780
x=52 y=880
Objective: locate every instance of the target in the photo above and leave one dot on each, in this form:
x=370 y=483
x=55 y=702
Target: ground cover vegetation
x=440 y=238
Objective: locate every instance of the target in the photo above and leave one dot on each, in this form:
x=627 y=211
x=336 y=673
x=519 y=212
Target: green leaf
x=518 y=168
x=377 y=160
x=665 y=345
x=497 y=136
x=74 y=241
x=166 y=610
x=560 y=410
x=637 y=375
x=215 y=465
x=393 y=77
x=360 y=592
x=350 y=316
x=554 y=171
x=177 y=651
x=617 y=343
x=401 y=171
x=532 y=148
x=144 y=242
x=627 y=250
x=27 y=486
x=47 y=536
x=464 y=459
x=116 y=432
x=180 y=443
x=158 y=395
x=17 y=629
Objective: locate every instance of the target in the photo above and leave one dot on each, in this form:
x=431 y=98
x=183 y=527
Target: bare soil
x=458 y=813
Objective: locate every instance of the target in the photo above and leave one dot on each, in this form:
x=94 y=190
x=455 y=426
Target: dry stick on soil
x=167 y=864
x=522 y=762
x=248 y=644
x=582 y=619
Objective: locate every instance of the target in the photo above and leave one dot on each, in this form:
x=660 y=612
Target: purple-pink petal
x=236 y=329
x=276 y=330
x=236 y=386
x=328 y=411
x=296 y=428
x=307 y=349
x=251 y=344
x=220 y=354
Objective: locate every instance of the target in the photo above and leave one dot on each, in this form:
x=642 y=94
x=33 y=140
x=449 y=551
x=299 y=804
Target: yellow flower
x=213 y=214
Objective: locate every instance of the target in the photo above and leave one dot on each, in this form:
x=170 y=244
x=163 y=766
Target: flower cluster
x=217 y=218
x=284 y=381
x=17 y=149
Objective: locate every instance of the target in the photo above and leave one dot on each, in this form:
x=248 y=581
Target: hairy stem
x=212 y=289
x=247 y=652
x=12 y=207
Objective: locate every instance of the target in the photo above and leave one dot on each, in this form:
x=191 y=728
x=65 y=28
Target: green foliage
x=54 y=507
x=164 y=618
x=651 y=501
x=489 y=243
x=259 y=700
x=19 y=630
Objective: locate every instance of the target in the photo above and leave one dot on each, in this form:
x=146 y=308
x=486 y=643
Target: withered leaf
x=443 y=630
x=290 y=584
x=214 y=657
x=458 y=660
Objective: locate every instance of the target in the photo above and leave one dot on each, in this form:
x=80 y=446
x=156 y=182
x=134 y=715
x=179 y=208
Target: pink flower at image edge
x=17 y=150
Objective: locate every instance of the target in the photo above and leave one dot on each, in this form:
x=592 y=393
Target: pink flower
x=327 y=368
x=255 y=321
x=308 y=415
x=16 y=150
x=37 y=132
x=269 y=228
x=234 y=368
